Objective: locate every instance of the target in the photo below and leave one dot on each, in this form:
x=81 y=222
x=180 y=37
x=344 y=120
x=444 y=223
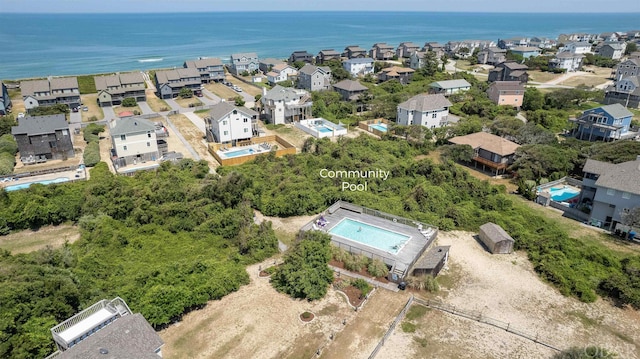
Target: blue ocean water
x=35 y=45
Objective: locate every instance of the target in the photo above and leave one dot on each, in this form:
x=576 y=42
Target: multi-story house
x=314 y=78
x=354 y=52
x=382 y=51
x=402 y=74
x=43 y=136
x=53 y=91
x=492 y=55
x=210 y=69
x=430 y=111
x=134 y=140
x=416 y=60
x=506 y=93
x=301 y=55
x=626 y=92
x=606 y=123
x=543 y=42
x=578 y=48
x=170 y=82
x=285 y=104
x=327 y=55
x=630 y=67
x=577 y=37
x=489 y=150
x=228 y=124
x=509 y=71
x=435 y=47
x=359 y=66
x=5 y=100
x=609 y=36
x=466 y=48
x=612 y=51
x=449 y=87
x=242 y=62
x=405 y=49
x=280 y=73
x=612 y=189
x=508 y=44
x=112 y=89
x=526 y=51
x=266 y=65
x=350 y=90
x=566 y=60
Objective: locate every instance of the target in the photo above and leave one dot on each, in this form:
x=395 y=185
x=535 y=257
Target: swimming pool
x=26 y=185
x=324 y=129
x=243 y=152
x=563 y=194
x=369 y=235
x=380 y=127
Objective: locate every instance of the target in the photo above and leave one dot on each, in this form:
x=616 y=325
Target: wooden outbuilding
x=496 y=239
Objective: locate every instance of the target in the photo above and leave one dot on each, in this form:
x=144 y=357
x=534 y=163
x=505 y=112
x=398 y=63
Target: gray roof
x=271 y=61
x=432 y=258
x=329 y=52
x=130 y=336
x=450 y=84
x=350 y=85
x=383 y=45
x=525 y=49
x=131 y=126
x=166 y=76
x=117 y=80
x=40 y=125
x=309 y=69
x=615 y=46
x=282 y=93
x=362 y=60
x=424 y=103
x=32 y=86
x=61 y=83
x=580 y=44
x=354 y=48
x=568 y=55
x=616 y=110
x=222 y=109
x=495 y=233
x=408 y=44
x=244 y=54
x=597 y=167
x=622 y=176
x=204 y=62
x=507 y=86
x=514 y=65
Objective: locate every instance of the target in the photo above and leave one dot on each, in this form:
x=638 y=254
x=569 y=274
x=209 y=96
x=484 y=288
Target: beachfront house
x=210 y=69
x=350 y=90
x=526 y=51
x=382 y=51
x=489 y=150
x=265 y=65
x=612 y=51
x=314 y=78
x=449 y=87
x=229 y=124
x=435 y=47
x=354 y=52
x=112 y=89
x=506 y=93
x=492 y=55
x=280 y=73
x=405 y=49
x=606 y=123
x=106 y=329
x=567 y=61
x=170 y=82
x=577 y=37
x=508 y=44
x=301 y=55
x=42 y=138
x=509 y=71
x=244 y=62
x=283 y=105
x=359 y=66
x=134 y=140
x=543 y=42
x=5 y=100
x=327 y=55
x=629 y=67
x=465 y=48
x=625 y=92
x=49 y=92
x=611 y=189
x=578 y=48
x=430 y=111
x=402 y=74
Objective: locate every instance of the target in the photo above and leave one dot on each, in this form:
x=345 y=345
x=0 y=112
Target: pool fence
x=366 y=125
x=283 y=148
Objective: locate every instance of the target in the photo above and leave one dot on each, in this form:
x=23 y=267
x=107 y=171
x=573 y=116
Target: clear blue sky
x=129 y=6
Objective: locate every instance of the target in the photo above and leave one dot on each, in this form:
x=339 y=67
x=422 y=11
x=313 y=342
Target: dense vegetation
x=91 y=155
x=165 y=241
x=49 y=110
x=8 y=150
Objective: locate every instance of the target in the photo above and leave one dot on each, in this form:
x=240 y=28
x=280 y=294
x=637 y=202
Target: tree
x=6 y=122
x=239 y=101
x=631 y=218
x=429 y=64
x=299 y=64
x=533 y=99
x=185 y=92
x=585 y=353
x=338 y=73
x=129 y=102
x=459 y=153
x=631 y=47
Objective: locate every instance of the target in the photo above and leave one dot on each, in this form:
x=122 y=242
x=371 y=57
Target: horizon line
x=315 y=10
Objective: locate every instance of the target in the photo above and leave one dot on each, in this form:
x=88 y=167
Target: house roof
x=613 y=46
x=597 y=167
x=330 y=52
x=166 y=76
x=280 y=67
x=450 y=84
x=408 y=44
x=350 y=86
x=39 y=125
x=568 y=55
x=507 y=86
x=117 y=80
x=61 y=83
x=271 y=61
x=244 y=54
x=383 y=45
x=222 y=109
x=525 y=49
x=622 y=176
x=432 y=258
x=615 y=110
x=495 y=50
x=278 y=93
x=425 y=103
x=579 y=44
x=32 y=86
x=309 y=69
x=495 y=233
x=132 y=125
x=396 y=70
x=354 y=48
x=130 y=336
x=204 y=62
x=487 y=141
x=517 y=73
x=512 y=65
x=362 y=60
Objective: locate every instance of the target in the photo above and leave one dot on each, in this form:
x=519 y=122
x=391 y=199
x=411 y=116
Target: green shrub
x=431 y=284
x=408 y=327
x=306 y=315
x=7 y=162
x=377 y=268
x=355 y=263
x=129 y=102
x=91 y=154
x=416 y=311
x=362 y=285
x=8 y=144
x=339 y=254
x=592 y=352
x=91 y=132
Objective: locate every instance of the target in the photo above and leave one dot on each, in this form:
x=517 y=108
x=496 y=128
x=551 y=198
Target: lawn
x=187 y=102
x=541 y=76
x=222 y=91
x=90 y=101
x=30 y=240
x=156 y=104
x=586 y=80
x=87 y=84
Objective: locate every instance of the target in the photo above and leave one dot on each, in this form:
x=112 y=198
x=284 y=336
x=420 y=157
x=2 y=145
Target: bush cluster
x=8 y=150
x=91 y=155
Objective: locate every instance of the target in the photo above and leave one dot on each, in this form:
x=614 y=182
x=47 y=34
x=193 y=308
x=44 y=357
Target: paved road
x=144 y=107
x=196 y=120
x=215 y=98
x=109 y=114
x=173 y=104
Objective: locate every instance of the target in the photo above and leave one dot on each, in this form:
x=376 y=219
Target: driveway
x=144 y=107
x=173 y=104
x=109 y=114
x=196 y=120
x=75 y=120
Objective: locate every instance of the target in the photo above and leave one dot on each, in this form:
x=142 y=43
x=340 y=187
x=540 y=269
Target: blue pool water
x=244 y=152
x=26 y=185
x=563 y=194
x=380 y=127
x=324 y=129
x=376 y=237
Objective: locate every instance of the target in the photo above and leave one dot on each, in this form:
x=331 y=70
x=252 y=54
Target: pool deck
x=15 y=180
x=407 y=254
x=257 y=149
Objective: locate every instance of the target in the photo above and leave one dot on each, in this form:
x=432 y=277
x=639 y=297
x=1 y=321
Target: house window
x=123 y=138
x=224 y=123
x=124 y=148
x=434 y=115
x=148 y=144
x=246 y=120
x=611 y=192
x=148 y=134
x=235 y=112
x=246 y=130
x=226 y=133
x=626 y=195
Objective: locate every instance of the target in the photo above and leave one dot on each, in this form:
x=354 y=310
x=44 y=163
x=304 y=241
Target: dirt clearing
x=29 y=240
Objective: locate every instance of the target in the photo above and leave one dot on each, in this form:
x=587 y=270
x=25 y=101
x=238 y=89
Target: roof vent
x=103 y=351
x=135 y=123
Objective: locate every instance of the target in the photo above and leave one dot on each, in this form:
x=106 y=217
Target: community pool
x=369 y=235
x=26 y=185
x=563 y=194
x=382 y=127
x=242 y=152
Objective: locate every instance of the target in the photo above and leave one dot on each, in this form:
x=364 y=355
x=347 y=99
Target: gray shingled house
x=112 y=89
x=495 y=238
x=46 y=136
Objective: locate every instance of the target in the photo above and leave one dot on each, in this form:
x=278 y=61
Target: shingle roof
x=32 y=86
x=61 y=83
x=525 y=49
x=244 y=54
x=487 y=141
x=39 y=125
x=309 y=69
x=166 y=76
x=507 y=86
x=222 y=109
x=350 y=85
x=362 y=60
x=568 y=55
x=329 y=52
x=450 y=84
x=622 y=176
x=396 y=70
x=597 y=167
x=616 y=110
x=514 y=65
x=132 y=125
x=432 y=258
x=424 y=103
x=283 y=93
x=102 y=82
x=495 y=233
x=271 y=61
x=129 y=336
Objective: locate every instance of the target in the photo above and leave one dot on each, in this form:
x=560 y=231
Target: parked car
x=21 y=115
x=238 y=89
x=85 y=108
x=75 y=109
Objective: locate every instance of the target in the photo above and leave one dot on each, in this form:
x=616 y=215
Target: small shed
x=432 y=262
x=496 y=239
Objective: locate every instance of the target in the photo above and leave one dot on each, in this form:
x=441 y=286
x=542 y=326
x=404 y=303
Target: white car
x=21 y=115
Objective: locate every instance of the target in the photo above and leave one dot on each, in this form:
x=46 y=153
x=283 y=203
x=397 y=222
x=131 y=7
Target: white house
x=229 y=124
x=359 y=66
x=578 y=48
x=449 y=87
x=285 y=104
x=281 y=72
x=566 y=60
x=134 y=140
x=430 y=111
